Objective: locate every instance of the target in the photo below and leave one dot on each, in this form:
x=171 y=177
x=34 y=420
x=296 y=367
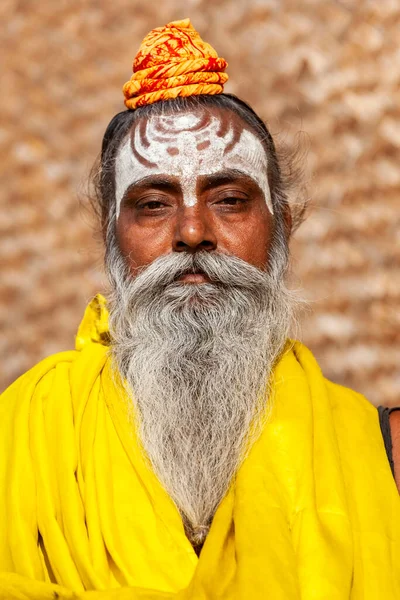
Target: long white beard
x=197 y=360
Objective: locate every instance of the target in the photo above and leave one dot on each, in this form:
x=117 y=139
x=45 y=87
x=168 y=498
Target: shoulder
x=349 y=402
x=341 y=398
x=42 y=372
x=356 y=421
x=354 y=418
x=72 y=369
x=360 y=437
x=55 y=374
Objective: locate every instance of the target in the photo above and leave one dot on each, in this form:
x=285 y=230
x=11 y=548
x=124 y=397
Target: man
x=188 y=448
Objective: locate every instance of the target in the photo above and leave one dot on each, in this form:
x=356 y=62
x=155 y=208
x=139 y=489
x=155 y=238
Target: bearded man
x=187 y=448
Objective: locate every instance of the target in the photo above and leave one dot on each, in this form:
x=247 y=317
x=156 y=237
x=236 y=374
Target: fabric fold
x=174 y=61
x=312 y=513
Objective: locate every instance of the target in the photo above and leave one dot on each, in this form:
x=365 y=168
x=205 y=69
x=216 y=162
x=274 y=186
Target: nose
x=193 y=231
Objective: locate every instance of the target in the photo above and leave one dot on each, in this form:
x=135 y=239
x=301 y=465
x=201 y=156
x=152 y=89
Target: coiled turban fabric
x=174 y=61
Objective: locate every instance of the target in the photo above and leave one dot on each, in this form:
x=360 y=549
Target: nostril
x=207 y=245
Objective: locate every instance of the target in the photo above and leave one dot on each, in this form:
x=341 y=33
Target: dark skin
x=231 y=217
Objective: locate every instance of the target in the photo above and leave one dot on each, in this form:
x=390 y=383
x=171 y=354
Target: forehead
x=188 y=145
x=200 y=133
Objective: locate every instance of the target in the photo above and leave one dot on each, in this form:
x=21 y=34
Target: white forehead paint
x=188 y=146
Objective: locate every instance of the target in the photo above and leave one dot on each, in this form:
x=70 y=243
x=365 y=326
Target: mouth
x=194 y=277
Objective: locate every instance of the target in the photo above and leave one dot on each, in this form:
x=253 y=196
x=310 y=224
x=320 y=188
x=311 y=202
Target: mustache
x=221 y=269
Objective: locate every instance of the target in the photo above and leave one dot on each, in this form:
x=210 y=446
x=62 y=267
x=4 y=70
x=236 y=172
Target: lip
x=194 y=278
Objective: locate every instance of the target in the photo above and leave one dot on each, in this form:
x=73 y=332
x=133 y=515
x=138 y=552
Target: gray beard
x=196 y=360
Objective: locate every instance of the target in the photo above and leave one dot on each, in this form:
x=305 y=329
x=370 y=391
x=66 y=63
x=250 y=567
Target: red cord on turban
x=174 y=61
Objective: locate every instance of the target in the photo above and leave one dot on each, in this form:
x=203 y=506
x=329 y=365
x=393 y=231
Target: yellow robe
x=313 y=513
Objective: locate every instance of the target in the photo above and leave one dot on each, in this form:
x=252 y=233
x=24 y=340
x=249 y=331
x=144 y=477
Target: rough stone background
x=329 y=69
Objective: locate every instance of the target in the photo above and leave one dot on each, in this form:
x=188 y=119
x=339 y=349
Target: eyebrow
x=223 y=177
x=166 y=183
x=162 y=182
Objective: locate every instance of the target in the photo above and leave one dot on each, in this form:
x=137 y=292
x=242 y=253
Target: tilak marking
x=188 y=146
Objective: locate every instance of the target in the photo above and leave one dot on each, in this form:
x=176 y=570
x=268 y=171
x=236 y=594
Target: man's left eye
x=231 y=201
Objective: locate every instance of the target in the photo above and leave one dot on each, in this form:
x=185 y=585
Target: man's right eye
x=151 y=205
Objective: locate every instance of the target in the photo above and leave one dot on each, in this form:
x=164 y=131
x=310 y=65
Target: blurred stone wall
x=329 y=69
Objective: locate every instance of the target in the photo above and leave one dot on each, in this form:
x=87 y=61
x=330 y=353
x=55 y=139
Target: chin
x=183 y=293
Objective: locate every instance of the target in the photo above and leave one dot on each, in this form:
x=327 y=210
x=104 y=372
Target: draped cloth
x=313 y=512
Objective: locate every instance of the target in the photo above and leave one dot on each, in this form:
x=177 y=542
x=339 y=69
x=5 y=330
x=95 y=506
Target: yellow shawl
x=314 y=512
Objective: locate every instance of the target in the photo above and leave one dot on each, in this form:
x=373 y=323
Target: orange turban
x=174 y=61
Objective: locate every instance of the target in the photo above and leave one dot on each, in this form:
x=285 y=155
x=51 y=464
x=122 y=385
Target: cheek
x=139 y=246
x=251 y=240
x=260 y=246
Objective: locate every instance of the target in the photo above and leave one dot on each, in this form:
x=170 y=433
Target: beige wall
x=330 y=69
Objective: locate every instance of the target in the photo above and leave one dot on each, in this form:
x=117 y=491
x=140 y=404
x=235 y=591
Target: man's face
x=193 y=205
x=189 y=182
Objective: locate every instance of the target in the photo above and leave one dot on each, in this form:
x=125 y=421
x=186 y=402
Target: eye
x=151 y=205
x=231 y=201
